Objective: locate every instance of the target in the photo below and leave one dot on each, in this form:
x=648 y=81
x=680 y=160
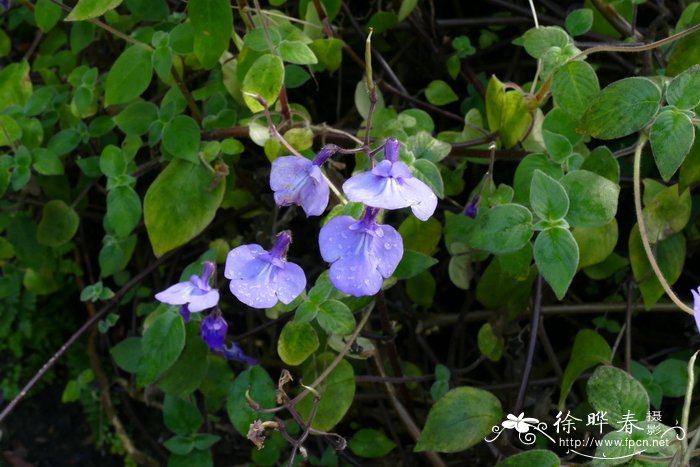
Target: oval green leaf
x=556 y=256
x=130 y=75
x=502 y=229
x=592 y=198
x=671 y=137
x=337 y=392
x=86 y=9
x=459 y=420
x=614 y=391
x=264 y=78
x=212 y=23
x=621 y=109
x=296 y=342
x=181 y=191
x=162 y=344
x=59 y=223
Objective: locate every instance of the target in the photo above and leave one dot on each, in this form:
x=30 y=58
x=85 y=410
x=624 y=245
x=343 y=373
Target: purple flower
x=472 y=208
x=391 y=185
x=195 y=294
x=297 y=180
x=214 y=328
x=696 y=306
x=5 y=4
x=260 y=278
x=362 y=252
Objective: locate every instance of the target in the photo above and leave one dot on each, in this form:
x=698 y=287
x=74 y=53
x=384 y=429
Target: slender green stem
x=686 y=407
x=643 y=229
x=638 y=47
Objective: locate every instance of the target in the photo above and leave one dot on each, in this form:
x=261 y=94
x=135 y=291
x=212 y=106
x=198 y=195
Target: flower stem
x=643 y=229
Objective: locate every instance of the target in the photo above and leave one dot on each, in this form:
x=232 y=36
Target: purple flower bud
x=472 y=208
x=185 y=312
x=5 y=4
x=260 y=278
x=391 y=185
x=196 y=293
x=696 y=306
x=233 y=352
x=214 y=329
x=362 y=252
x=324 y=154
x=297 y=180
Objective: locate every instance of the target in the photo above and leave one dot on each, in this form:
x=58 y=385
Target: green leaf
x=335 y=317
x=407 y=6
x=15 y=85
x=136 y=118
x=129 y=76
x=46 y=14
x=439 y=92
x=296 y=342
x=671 y=137
x=595 y=243
x=370 y=443
x=522 y=179
x=45 y=162
x=179 y=445
x=428 y=173
x=59 y=223
x=413 y=263
x=538 y=457
x=420 y=236
x=579 y=21
x=424 y=146
x=257 y=383
x=506 y=113
x=190 y=368
x=461 y=271
x=212 y=23
x=491 y=345
x=329 y=52
x=548 y=198
x=181 y=138
x=589 y=349
x=614 y=391
x=556 y=256
x=537 y=41
x=558 y=147
x=382 y=20
x=180 y=192
x=670 y=255
x=180 y=416
x=11 y=131
x=574 y=86
x=601 y=161
x=517 y=263
x=421 y=289
x=149 y=10
x=592 y=198
x=459 y=420
x=162 y=344
x=337 y=391
x=502 y=229
x=672 y=376
x=297 y=52
x=621 y=109
x=684 y=90
x=86 y=9
x=264 y=78
x=123 y=210
x=667 y=212
x=127 y=354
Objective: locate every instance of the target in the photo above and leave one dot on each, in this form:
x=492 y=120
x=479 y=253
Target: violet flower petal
x=696 y=306
x=296 y=180
x=214 y=329
x=362 y=253
x=260 y=279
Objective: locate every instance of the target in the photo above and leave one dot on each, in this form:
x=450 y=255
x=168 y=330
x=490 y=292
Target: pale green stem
x=686 y=408
x=643 y=230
